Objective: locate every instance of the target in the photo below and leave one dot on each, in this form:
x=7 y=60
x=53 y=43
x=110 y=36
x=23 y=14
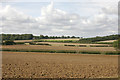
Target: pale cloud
x=59 y=0
x=59 y=22
x=56 y=18
x=112 y=10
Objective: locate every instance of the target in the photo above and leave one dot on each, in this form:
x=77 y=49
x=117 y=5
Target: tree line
x=53 y=37
x=31 y=36
x=16 y=36
x=98 y=38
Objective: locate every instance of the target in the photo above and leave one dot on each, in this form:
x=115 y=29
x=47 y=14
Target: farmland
x=23 y=40
x=43 y=47
x=47 y=65
x=59 y=40
x=59 y=58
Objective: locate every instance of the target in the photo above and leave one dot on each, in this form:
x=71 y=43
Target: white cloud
x=59 y=22
x=55 y=17
x=112 y=10
x=59 y=0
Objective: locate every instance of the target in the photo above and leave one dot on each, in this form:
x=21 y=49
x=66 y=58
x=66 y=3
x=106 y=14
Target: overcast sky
x=83 y=18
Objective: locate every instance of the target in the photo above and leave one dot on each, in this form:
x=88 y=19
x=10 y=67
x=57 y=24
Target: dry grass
x=43 y=65
x=108 y=41
x=23 y=40
x=44 y=47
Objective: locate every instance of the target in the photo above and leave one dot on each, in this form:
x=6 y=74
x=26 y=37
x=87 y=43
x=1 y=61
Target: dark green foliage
x=68 y=45
x=32 y=43
x=61 y=41
x=54 y=37
x=63 y=51
x=82 y=46
x=90 y=52
x=40 y=44
x=82 y=40
x=30 y=36
x=41 y=37
x=8 y=42
x=17 y=36
x=19 y=43
x=116 y=44
x=96 y=39
x=90 y=45
x=104 y=42
x=99 y=46
x=93 y=40
x=112 y=53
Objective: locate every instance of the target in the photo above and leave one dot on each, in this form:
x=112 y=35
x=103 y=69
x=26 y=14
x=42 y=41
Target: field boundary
x=63 y=51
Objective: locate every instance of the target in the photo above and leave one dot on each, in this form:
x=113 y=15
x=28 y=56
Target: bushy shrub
x=116 y=44
x=82 y=46
x=20 y=43
x=43 y=44
x=68 y=45
x=99 y=45
x=8 y=42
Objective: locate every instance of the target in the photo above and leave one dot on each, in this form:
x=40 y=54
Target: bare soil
x=47 y=65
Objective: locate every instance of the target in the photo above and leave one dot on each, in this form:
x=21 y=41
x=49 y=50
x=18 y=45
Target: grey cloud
x=112 y=10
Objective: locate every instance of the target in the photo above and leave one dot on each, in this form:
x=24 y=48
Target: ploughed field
x=54 y=65
x=26 y=61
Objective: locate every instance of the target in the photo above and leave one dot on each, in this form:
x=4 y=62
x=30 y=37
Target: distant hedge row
x=10 y=42
x=16 y=36
x=63 y=51
x=96 y=39
x=116 y=44
x=59 y=41
x=90 y=45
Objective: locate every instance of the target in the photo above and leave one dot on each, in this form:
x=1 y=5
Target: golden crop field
x=44 y=47
x=23 y=40
x=20 y=61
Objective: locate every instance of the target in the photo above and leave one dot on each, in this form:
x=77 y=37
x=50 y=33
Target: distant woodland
x=31 y=36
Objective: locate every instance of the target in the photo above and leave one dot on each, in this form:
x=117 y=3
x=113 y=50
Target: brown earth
x=47 y=65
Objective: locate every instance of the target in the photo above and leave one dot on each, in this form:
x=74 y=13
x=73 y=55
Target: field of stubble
x=44 y=47
x=47 y=65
